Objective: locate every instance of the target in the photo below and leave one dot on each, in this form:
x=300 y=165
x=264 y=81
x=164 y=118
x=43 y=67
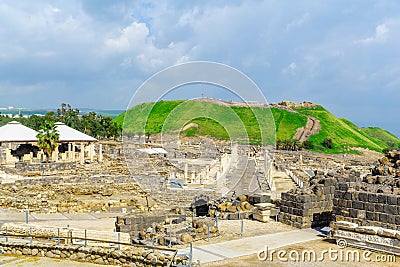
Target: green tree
x=47 y=138
x=328 y=143
x=308 y=144
x=35 y=122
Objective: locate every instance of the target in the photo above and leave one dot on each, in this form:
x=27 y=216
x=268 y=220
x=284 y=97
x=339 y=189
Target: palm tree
x=47 y=138
x=295 y=144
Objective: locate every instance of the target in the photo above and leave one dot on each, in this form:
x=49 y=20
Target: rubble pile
x=174 y=229
x=241 y=207
x=388 y=165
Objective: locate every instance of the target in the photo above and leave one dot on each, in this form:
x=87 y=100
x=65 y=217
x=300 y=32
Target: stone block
x=342 y=202
x=264 y=198
x=391 y=219
x=370 y=216
x=392 y=200
x=338 y=193
x=358 y=205
x=379 y=207
x=343 y=186
x=361 y=214
x=382 y=198
x=326 y=190
x=347 y=196
x=390 y=209
x=383 y=217
x=372 y=198
x=363 y=196
x=370 y=207
x=353 y=213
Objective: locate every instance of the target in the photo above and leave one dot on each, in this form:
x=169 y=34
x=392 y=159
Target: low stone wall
x=367 y=208
x=111 y=256
x=22 y=168
x=73 y=235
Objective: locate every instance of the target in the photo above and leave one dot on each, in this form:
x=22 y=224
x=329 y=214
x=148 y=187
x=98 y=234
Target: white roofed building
x=14 y=132
x=68 y=134
x=18 y=143
x=76 y=145
x=16 y=140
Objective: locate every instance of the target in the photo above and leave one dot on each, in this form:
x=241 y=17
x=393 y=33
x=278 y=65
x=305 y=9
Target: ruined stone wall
x=135 y=256
x=367 y=208
x=22 y=168
x=136 y=224
x=305 y=209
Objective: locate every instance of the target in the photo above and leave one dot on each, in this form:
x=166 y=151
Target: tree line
x=294 y=144
x=92 y=124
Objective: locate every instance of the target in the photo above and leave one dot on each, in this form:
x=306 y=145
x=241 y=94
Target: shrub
x=328 y=143
x=308 y=144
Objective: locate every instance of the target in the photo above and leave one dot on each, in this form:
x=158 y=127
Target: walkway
x=250 y=245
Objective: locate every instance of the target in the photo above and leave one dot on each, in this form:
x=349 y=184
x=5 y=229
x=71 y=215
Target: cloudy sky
x=95 y=53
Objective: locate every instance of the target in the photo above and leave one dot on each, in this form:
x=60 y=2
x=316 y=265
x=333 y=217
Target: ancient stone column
x=91 y=152
x=100 y=153
x=69 y=152
x=186 y=171
x=56 y=155
x=8 y=154
x=82 y=156
x=30 y=157
x=193 y=176
x=73 y=152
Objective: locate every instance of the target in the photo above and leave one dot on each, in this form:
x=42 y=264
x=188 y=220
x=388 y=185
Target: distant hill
x=175 y=114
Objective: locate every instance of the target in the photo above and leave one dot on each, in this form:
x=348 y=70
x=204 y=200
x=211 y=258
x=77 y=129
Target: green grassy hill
x=343 y=133
x=224 y=122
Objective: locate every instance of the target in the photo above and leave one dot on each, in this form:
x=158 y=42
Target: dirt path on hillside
x=312 y=127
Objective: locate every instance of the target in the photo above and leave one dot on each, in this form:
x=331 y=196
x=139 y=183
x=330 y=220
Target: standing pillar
x=100 y=153
x=69 y=156
x=30 y=157
x=186 y=171
x=82 y=156
x=40 y=156
x=8 y=155
x=73 y=152
x=56 y=155
x=193 y=176
x=91 y=152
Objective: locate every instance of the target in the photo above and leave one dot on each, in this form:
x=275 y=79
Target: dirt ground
x=340 y=258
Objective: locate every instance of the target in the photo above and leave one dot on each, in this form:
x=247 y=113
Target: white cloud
x=380 y=36
x=132 y=37
x=298 y=22
x=291 y=69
